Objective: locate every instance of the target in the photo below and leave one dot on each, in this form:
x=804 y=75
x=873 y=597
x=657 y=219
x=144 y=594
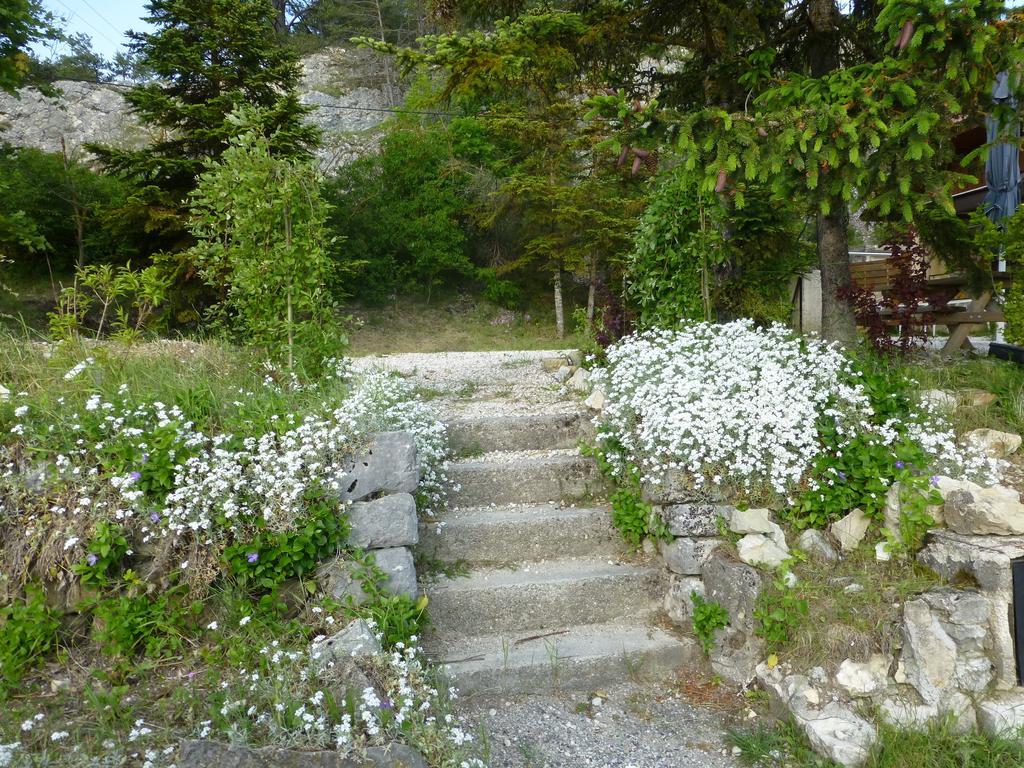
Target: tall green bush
x=259 y=221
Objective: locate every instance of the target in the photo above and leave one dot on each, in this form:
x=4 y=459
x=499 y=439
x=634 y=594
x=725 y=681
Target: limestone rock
x=203 y=754
x=943 y=401
x=750 y=521
x=995 y=510
x=850 y=531
x=687 y=556
x=904 y=713
x=759 y=550
x=596 y=400
x=674 y=487
x=694 y=519
x=389 y=465
x=355 y=640
x=389 y=521
x=678 y=599
x=564 y=373
x=5 y=394
x=945 y=646
x=339 y=577
x=1002 y=714
x=882 y=553
x=736 y=587
x=864 y=679
x=579 y=381
x=976 y=398
x=553 y=364
x=816 y=544
x=994 y=443
x=839 y=734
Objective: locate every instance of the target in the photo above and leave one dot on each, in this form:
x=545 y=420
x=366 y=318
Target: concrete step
x=544 y=595
x=516 y=478
x=585 y=658
x=491 y=535
x=529 y=432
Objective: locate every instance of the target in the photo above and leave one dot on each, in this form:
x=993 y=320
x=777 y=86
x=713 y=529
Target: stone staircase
x=552 y=599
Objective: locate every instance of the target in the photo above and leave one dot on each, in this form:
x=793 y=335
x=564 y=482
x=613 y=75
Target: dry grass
x=464 y=325
x=852 y=625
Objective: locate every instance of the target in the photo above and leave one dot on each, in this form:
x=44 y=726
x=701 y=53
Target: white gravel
x=475 y=384
x=629 y=726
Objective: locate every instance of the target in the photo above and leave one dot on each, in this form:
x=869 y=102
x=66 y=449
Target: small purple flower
x=252 y=557
x=842 y=475
x=91 y=559
x=385 y=704
x=135 y=477
x=934 y=480
x=155 y=517
x=900 y=465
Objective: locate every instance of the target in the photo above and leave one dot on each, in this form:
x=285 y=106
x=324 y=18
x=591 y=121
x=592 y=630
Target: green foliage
x=779 y=612
x=858 y=471
x=259 y=220
x=22 y=22
x=707 y=619
x=28 y=631
x=60 y=206
x=273 y=557
x=118 y=301
x=108 y=547
x=402 y=211
x=128 y=624
x=398 y=618
x=634 y=518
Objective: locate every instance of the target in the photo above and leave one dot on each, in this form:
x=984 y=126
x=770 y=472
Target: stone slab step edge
x=518 y=432
x=582 y=658
x=482 y=535
x=538 y=596
x=524 y=480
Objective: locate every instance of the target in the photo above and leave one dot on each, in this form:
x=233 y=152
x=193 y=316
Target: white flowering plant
x=770 y=417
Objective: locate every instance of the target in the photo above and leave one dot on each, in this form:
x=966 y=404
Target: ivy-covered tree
x=208 y=58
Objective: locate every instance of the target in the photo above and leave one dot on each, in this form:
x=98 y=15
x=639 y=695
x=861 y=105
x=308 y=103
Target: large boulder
x=993 y=443
x=984 y=561
x=204 y=754
x=389 y=521
x=980 y=511
x=946 y=645
x=389 y=465
x=736 y=587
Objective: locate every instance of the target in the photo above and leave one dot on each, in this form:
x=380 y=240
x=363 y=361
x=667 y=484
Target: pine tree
x=209 y=57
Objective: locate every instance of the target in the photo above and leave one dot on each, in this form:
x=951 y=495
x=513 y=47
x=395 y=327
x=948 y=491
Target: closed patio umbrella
x=1002 y=167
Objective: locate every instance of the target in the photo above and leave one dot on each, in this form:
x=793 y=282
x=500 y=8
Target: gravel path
x=472 y=384
x=631 y=726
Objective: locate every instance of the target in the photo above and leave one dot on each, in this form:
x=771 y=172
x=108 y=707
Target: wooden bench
x=879 y=276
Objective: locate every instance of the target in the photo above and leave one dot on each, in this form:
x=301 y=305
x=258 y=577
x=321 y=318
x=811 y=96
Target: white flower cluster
x=284 y=700
x=266 y=479
x=724 y=401
x=739 y=404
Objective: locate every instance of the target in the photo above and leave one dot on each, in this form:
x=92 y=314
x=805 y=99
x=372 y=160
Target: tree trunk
x=592 y=291
x=559 y=309
x=837 y=319
x=76 y=208
x=280 y=22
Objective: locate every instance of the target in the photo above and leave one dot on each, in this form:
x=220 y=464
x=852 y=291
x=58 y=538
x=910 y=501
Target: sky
x=105 y=21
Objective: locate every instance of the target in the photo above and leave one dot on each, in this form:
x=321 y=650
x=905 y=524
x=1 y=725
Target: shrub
x=766 y=413
x=707 y=618
x=155 y=626
x=28 y=631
